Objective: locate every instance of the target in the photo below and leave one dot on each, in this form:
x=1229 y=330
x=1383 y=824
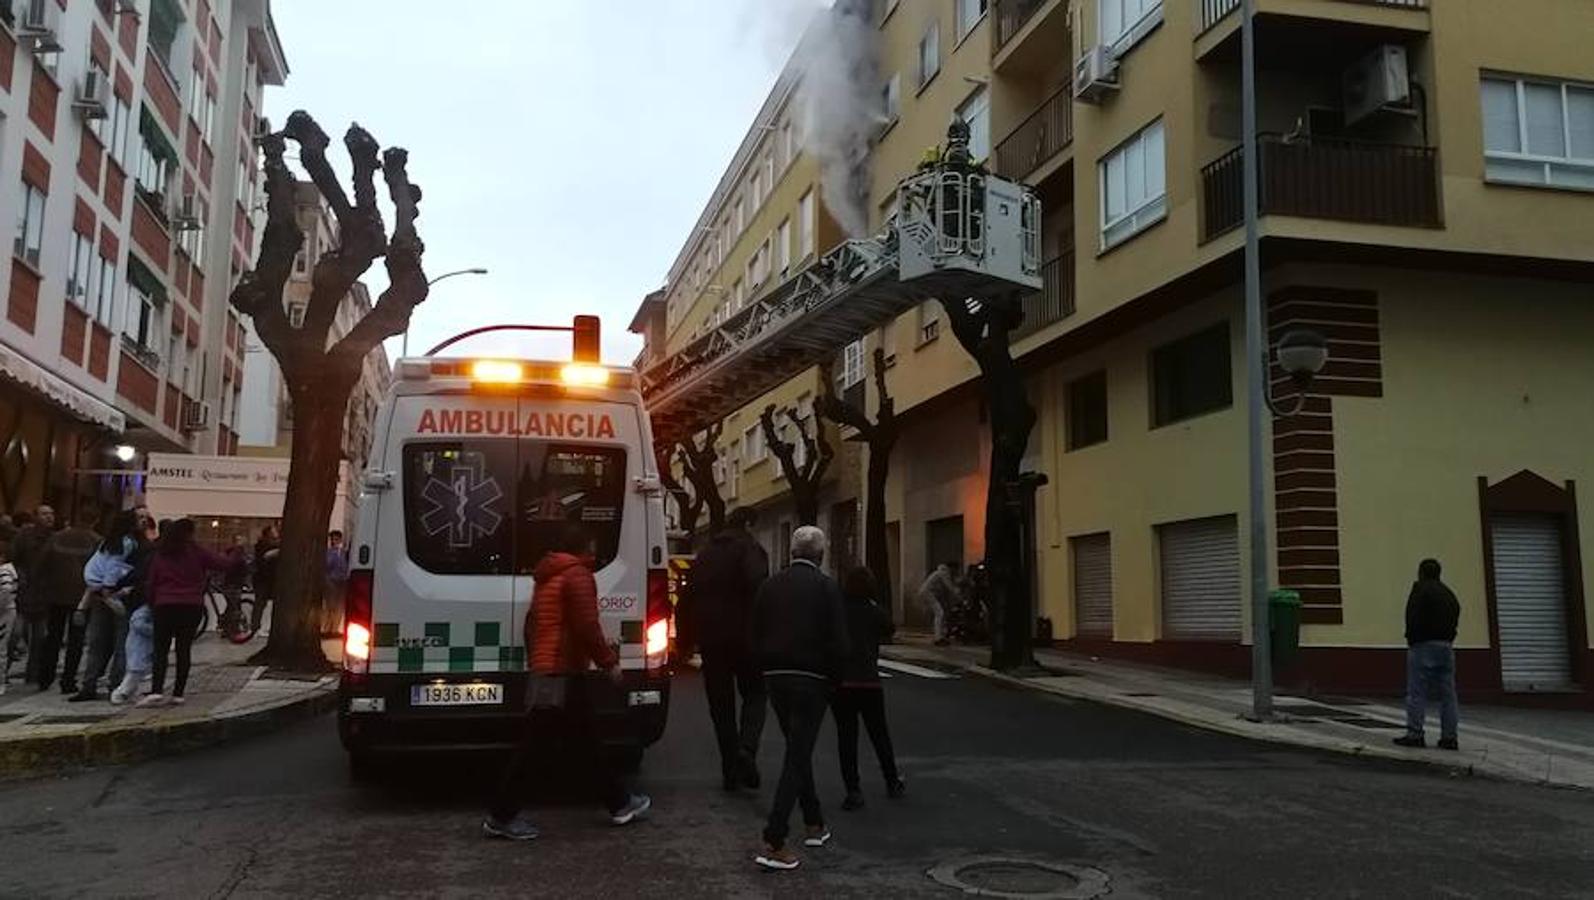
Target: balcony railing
x=1054 y=301
x=1038 y=138
x=1211 y=12
x=1326 y=178
x=1010 y=16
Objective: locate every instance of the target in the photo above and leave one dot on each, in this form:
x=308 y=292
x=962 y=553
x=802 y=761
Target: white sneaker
x=118 y=698
x=149 y=700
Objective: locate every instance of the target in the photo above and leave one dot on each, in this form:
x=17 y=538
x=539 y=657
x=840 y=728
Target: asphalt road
x=1161 y=809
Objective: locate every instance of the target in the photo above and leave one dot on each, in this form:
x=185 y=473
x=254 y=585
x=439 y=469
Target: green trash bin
x=1284 y=609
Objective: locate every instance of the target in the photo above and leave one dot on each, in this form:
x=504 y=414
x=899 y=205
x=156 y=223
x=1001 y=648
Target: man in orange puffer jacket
x=564 y=638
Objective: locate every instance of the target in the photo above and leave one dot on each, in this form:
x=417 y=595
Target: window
x=120 y=116
x=1087 y=410
x=143 y=314
x=849 y=379
x=976 y=111
x=1133 y=186
x=156 y=158
x=788 y=143
x=207 y=123
x=489 y=506
x=930 y=53
x=296 y=314
x=1538 y=132
x=1125 y=22
x=105 y=294
x=80 y=270
x=891 y=101
x=196 y=97
x=757 y=189
x=969 y=13
x=929 y=316
x=805 y=225
x=30 y=225
x=165 y=20
x=753 y=449
x=769 y=172
x=1191 y=376
x=192 y=241
x=741 y=215
x=783 y=246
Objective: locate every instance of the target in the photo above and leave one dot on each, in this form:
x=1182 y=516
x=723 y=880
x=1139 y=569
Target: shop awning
x=20 y=370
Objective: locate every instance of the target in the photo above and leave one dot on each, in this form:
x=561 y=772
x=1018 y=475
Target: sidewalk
x=1554 y=747
x=227 y=698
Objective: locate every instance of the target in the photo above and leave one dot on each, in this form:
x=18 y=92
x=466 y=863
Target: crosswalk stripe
x=911 y=669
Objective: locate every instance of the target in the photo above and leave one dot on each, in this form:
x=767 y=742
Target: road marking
x=911 y=669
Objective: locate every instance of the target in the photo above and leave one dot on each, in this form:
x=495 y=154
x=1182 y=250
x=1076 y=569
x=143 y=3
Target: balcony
x=1210 y=12
x=1039 y=138
x=1054 y=301
x=1028 y=35
x=1326 y=178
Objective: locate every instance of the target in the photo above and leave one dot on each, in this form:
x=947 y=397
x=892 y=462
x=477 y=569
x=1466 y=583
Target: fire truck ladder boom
x=959 y=233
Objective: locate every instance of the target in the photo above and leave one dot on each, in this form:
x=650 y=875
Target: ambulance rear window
x=490 y=506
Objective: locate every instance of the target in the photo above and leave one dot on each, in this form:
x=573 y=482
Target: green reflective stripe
x=462 y=659
x=387 y=634
x=487 y=634
x=437 y=632
x=411 y=659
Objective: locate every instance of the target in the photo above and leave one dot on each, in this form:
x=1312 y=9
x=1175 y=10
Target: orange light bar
x=583 y=374
x=497 y=371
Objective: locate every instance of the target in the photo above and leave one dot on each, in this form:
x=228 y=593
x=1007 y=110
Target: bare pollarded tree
x=803 y=477
x=318 y=371
x=880 y=436
x=697 y=461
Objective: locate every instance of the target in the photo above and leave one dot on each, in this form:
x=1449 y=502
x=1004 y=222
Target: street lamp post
x=404 y=349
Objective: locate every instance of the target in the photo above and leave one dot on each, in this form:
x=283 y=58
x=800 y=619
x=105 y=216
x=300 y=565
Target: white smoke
x=839 y=107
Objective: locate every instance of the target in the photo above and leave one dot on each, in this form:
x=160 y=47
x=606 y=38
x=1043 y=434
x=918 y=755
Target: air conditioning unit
x=93 y=95
x=185 y=212
x=196 y=415
x=1378 y=81
x=1095 y=74
x=39 y=23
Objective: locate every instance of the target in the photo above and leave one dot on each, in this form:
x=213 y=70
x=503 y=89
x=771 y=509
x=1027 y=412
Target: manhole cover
x=996 y=876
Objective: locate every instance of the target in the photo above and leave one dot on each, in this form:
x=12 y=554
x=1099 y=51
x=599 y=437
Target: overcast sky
x=567 y=147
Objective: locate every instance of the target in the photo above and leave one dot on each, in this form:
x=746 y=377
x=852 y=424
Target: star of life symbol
x=465 y=505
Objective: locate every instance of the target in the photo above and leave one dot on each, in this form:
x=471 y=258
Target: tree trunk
x=874 y=521
x=296 y=620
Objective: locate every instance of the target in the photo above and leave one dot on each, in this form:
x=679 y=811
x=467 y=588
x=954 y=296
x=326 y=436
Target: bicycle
x=238 y=625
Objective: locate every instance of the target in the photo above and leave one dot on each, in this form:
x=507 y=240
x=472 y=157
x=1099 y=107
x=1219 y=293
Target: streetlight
x=405 y=347
x=124 y=452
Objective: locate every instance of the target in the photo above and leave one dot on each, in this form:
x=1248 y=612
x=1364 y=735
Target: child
x=860 y=693
x=8 y=613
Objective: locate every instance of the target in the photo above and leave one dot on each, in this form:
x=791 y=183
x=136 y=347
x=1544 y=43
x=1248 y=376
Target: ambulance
x=474 y=464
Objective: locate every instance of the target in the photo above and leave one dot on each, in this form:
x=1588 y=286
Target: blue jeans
x=1431 y=666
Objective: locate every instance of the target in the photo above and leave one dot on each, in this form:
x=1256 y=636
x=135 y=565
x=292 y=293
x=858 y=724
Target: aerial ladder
x=959 y=232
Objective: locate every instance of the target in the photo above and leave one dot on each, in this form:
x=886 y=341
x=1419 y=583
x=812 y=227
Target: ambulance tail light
x=357 y=622
x=657 y=632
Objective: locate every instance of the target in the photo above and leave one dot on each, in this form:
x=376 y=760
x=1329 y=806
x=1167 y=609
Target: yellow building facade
x=1425 y=177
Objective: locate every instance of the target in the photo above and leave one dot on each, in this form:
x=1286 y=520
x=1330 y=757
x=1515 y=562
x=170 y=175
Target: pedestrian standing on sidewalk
x=8 y=613
x=860 y=694
x=233 y=580
x=103 y=576
x=564 y=638
x=800 y=636
x=139 y=651
x=267 y=549
x=939 y=594
x=178 y=575
x=715 y=617
x=33 y=604
x=59 y=575
x=337 y=581
x=1432 y=612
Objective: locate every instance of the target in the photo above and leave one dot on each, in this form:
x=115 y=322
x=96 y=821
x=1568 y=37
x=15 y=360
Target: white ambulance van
x=473 y=464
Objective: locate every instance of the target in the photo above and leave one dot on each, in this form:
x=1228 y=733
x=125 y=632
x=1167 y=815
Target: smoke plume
x=839 y=108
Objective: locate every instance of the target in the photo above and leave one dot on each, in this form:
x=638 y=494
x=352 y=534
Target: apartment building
x=765 y=221
x=1425 y=176
x=266 y=418
x=127 y=154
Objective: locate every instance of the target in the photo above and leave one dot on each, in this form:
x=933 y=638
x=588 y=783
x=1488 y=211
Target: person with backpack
x=714 y=616
x=860 y=694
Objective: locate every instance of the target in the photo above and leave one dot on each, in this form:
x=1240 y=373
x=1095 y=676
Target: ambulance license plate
x=456 y=694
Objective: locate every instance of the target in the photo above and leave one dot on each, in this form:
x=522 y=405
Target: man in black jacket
x=1431 y=615
x=715 y=616
x=800 y=636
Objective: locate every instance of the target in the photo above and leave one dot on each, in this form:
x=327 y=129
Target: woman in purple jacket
x=178 y=574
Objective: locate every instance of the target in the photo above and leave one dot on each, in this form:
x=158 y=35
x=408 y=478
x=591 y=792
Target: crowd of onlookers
x=99 y=605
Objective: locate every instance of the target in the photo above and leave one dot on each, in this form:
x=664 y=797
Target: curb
x=1243 y=729
x=51 y=754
